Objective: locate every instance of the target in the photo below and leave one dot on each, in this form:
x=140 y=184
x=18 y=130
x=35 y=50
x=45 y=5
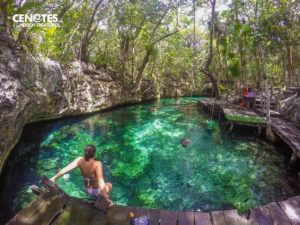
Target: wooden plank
x=218 y=218
x=31 y=208
x=291 y=207
x=41 y=211
x=202 y=218
x=295 y=199
x=186 y=218
x=118 y=215
x=232 y=218
x=49 y=185
x=288 y=132
x=48 y=213
x=154 y=216
x=262 y=216
x=77 y=213
x=139 y=212
x=95 y=217
x=277 y=214
x=70 y=215
x=168 y=218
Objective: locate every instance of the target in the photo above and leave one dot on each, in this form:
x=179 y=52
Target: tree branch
x=211 y=36
x=64 y=10
x=166 y=36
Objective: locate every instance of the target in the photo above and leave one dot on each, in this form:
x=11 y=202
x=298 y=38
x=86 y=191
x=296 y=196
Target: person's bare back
x=92 y=173
x=88 y=170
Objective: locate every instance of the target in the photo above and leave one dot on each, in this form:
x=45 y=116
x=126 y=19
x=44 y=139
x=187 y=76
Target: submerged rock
x=185 y=142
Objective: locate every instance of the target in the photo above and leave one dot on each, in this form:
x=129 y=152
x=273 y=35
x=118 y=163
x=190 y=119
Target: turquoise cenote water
x=139 y=146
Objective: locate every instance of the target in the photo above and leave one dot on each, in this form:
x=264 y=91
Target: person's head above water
x=89 y=152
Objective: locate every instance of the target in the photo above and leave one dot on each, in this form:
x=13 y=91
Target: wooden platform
x=210 y=102
x=211 y=105
x=273 y=113
x=50 y=208
x=242 y=116
x=288 y=132
x=233 y=113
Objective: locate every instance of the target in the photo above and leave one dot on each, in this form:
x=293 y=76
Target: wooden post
x=293 y=160
x=230 y=126
x=268 y=116
x=259 y=128
x=269 y=133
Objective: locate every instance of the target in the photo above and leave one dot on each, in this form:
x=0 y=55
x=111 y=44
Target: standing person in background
x=251 y=98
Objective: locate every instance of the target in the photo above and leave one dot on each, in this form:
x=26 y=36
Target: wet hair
x=89 y=152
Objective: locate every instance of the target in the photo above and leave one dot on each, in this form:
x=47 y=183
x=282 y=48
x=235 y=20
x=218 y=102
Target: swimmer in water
x=185 y=142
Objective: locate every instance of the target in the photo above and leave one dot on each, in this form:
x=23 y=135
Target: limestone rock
x=33 y=88
x=290 y=109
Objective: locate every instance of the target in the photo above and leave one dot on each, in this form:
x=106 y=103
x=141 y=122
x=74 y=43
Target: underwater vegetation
x=140 y=149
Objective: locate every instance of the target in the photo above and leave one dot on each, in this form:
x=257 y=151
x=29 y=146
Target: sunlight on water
x=140 y=148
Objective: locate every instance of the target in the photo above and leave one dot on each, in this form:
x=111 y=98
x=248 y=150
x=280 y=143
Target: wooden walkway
x=289 y=133
x=53 y=209
x=236 y=115
x=210 y=105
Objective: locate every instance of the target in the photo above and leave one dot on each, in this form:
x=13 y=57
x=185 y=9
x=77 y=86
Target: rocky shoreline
x=33 y=88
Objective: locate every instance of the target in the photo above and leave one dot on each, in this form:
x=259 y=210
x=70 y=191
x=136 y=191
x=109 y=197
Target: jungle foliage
x=230 y=43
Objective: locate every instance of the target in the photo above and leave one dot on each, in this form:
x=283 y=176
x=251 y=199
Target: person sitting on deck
x=92 y=172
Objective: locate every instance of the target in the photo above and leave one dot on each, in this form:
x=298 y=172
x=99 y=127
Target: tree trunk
x=206 y=70
x=88 y=35
x=258 y=77
x=216 y=88
x=138 y=79
x=289 y=65
x=268 y=116
x=146 y=58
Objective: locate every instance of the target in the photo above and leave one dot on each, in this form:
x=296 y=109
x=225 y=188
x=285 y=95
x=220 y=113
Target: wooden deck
x=210 y=105
x=233 y=113
x=236 y=115
x=50 y=208
x=288 y=132
x=242 y=116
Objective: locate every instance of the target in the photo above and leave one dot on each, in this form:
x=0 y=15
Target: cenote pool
x=139 y=146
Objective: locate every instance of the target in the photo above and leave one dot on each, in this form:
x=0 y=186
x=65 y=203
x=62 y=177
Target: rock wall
x=34 y=88
x=290 y=109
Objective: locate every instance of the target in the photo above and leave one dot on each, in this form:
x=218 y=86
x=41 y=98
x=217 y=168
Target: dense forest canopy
x=229 y=43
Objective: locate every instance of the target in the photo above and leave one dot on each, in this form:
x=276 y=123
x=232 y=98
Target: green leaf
x=234 y=67
x=27 y=6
